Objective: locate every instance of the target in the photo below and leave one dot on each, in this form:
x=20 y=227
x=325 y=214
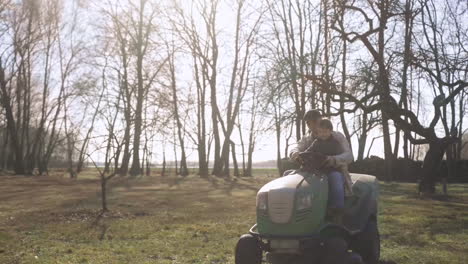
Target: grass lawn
x=193 y=220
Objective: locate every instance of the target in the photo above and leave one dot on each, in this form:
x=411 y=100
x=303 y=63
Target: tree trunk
x=250 y=149
x=406 y=62
x=450 y=162
x=126 y=98
x=279 y=163
x=148 y=164
x=183 y=159
x=124 y=166
x=141 y=48
x=163 y=171
x=361 y=147
x=234 y=159
x=217 y=166
x=38 y=143
x=201 y=123
x=104 y=194
x=362 y=139
x=431 y=165
x=383 y=82
x=242 y=144
x=136 y=168
x=326 y=54
x=5 y=154
x=176 y=165
x=70 y=142
x=11 y=125
x=343 y=89
x=249 y=159
x=211 y=27
x=396 y=146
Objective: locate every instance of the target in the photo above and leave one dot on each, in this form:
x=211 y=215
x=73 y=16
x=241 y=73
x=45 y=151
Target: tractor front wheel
x=248 y=250
x=367 y=243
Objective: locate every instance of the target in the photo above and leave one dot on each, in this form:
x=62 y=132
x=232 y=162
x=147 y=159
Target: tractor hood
x=281 y=195
x=292 y=205
x=291 y=181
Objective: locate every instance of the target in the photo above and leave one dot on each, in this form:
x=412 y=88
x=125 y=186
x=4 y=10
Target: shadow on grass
x=102 y=226
x=234 y=184
x=227 y=184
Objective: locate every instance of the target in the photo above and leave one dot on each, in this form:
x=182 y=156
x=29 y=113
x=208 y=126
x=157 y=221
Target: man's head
x=312 y=119
x=324 y=129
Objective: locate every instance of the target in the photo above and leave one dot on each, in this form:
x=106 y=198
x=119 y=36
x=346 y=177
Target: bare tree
x=20 y=34
x=173 y=85
x=141 y=39
x=406 y=120
x=255 y=127
x=238 y=84
x=133 y=27
x=87 y=137
x=203 y=49
x=49 y=34
x=293 y=52
x=36 y=31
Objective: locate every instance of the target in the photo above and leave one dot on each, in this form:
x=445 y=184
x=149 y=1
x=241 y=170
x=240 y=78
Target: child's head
x=325 y=129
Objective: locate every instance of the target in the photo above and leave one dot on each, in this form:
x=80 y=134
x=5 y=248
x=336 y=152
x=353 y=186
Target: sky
x=266 y=145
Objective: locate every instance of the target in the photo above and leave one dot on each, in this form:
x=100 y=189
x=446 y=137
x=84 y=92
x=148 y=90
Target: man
x=312 y=119
x=335 y=248
x=336 y=179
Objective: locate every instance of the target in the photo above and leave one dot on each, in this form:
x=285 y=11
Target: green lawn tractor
x=292 y=225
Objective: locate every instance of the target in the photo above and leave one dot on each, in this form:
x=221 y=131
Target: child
x=338 y=176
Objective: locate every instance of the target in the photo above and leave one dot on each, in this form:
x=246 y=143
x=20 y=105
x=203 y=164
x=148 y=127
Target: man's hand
x=296 y=157
x=313 y=160
x=330 y=162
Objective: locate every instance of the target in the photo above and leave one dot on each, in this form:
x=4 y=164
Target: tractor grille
x=280 y=205
x=302 y=215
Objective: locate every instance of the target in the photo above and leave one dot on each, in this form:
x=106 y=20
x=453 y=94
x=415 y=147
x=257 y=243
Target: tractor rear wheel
x=248 y=250
x=367 y=243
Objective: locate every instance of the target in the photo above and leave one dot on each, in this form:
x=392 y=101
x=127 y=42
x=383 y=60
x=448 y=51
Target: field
x=194 y=220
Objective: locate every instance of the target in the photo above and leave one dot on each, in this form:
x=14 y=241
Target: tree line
x=124 y=81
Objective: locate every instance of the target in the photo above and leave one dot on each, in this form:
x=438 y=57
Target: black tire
x=248 y=250
x=367 y=243
x=335 y=250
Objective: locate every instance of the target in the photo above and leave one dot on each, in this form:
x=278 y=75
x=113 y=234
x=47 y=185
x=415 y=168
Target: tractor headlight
x=262 y=201
x=303 y=201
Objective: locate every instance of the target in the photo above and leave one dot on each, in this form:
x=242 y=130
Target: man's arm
x=301 y=145
x=347 y=156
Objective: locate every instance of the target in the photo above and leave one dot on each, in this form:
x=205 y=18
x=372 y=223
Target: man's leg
x=336 y=189
x=336 y=196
